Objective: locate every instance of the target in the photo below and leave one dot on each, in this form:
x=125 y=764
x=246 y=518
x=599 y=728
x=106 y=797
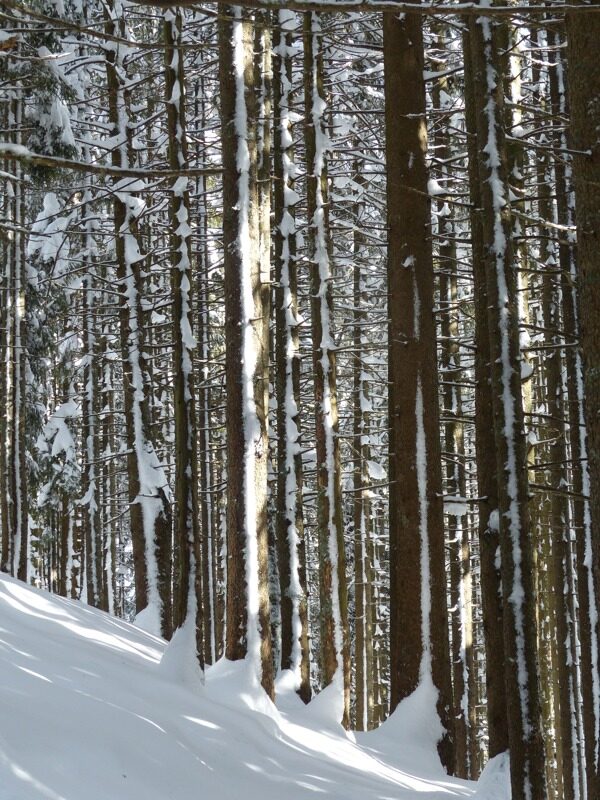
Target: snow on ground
x=89 y=712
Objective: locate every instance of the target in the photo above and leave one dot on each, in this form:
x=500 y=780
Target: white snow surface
x=87 y=710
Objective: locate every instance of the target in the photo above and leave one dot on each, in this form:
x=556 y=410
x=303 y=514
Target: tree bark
x=334 y=644
x=419 y=650
x=90 y=484
x=150 y=513
x=290 y=523
x=362 y=512
x=583 y=32
x=512 y=515
x=248 y=615
x=188 y=605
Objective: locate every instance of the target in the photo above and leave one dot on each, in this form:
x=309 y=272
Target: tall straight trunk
x=362 y=513
x=263 y=79
x=454 y=456
x=221 y=557
x=290 y=523
x=335 y=646
x=379 y=552
x=188 y=601
x=107 y=476
x=457 y=523
x=91 y=505
x=6 y=244
x=150 y=512
x=554 y=474
x=19 y=462
x=248 y=616
x=580 y=519
x=419 y=650
x=558 y=519
x=533 y=394
x=7 y=333
x=205 y=489
x=62 y=536
x=487 y=483
x=16 y=527
x=583 y=34
x=204 y=394
x=522 y=691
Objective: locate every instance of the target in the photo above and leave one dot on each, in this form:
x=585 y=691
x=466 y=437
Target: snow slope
x=89 y=712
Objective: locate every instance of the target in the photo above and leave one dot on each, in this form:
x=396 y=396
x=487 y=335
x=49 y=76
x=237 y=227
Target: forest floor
x=90 y=710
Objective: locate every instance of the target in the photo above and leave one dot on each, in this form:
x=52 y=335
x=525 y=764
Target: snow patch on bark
x=251 y=423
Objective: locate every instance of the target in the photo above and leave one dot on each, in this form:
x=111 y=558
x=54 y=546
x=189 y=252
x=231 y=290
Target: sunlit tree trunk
x=334 y=644
x=188 y=601
x=91 y=533
x=362 y=512
x=248 y=619
x=512 y=514
x=488 y=532
x=290 y=523
x=150 y=512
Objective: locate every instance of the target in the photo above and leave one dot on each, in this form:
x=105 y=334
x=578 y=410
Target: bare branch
x=382 y=6
x=17 y=153
x=389 y=6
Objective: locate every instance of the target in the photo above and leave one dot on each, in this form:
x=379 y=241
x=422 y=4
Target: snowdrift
x=88 y=712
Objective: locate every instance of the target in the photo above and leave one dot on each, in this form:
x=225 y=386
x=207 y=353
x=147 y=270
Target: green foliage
x=50 y=95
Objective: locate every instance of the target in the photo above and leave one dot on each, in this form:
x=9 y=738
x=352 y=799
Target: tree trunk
x=419 y=650
x=150 y=513
x=487 y=483
x=290 y=523
x=188 y=605
x=554 y=453
x=524 y=735
x=583 y=34
x=248 y=616
x=91 y=501
x=362 y=516
x=335 y=646
x=454 y=453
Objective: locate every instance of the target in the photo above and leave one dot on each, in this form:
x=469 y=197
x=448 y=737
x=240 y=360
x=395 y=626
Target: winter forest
x=300 y=373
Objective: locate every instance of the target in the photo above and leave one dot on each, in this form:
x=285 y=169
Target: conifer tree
x=248 y=624
x=583 y=30
x=333 y=593
x=521 y=676
x=150 y=512
x=188 y=584
x=290 y=522
x=419 y=649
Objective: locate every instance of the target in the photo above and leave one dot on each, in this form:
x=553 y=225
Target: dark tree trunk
x=487 y=482
x=418 y=611
x=512 y=514
x=583 y=34
x=290 y=523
